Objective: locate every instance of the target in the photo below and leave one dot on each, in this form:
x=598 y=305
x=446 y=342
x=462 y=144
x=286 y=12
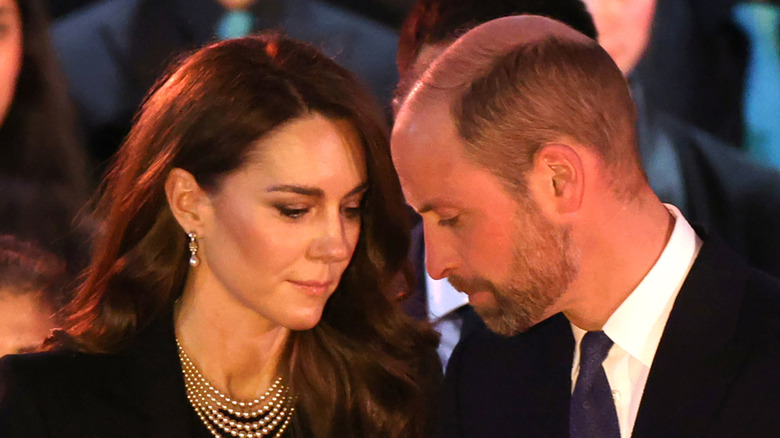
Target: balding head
x=475 y=53
x=514 y=84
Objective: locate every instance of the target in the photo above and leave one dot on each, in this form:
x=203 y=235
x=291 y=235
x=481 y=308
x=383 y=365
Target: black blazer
x=716 y=372
x=136 y=393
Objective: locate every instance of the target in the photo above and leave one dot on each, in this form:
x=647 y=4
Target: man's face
x=494 y=245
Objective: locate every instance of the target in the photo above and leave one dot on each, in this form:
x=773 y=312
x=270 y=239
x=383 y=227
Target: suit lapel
x=697 y=356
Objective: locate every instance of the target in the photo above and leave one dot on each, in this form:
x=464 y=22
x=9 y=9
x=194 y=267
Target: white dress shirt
x=443 y=301
x=637 y=325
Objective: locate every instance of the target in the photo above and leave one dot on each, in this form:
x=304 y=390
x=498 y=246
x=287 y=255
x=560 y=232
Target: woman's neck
x=236 y=351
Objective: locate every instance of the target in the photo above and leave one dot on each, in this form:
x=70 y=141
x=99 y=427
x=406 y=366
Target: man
x=541 y=213
x=713 y=185
x=428 y=29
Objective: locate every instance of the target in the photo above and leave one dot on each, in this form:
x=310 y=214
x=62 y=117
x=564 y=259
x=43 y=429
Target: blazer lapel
x=698 y=354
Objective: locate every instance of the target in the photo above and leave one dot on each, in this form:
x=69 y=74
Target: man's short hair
x=440 y=21
x=518 y=83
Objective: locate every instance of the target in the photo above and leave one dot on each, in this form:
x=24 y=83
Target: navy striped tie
x=592 y=413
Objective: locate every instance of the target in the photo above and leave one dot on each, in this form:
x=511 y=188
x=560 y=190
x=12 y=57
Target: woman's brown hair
x=363 y=370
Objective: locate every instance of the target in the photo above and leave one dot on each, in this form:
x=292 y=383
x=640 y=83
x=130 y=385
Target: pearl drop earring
x=194 y=260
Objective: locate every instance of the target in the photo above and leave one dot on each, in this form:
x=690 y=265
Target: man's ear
x=188 y=202
x=558 y=177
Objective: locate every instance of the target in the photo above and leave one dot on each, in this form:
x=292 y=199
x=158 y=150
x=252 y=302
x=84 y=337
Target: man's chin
x=483 y=299
x=500 y=319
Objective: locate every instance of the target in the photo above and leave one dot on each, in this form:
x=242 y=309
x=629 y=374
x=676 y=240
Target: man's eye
x=448 y=222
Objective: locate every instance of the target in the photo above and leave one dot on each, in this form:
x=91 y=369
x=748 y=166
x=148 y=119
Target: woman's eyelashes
x=292 y=212
x=352 y=210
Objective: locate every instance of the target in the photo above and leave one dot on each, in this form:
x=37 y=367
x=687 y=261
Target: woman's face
x=281 y=230
x=10 y=53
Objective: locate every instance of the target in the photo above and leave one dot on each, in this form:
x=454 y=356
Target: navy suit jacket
x=716 y=372
x=113 y=51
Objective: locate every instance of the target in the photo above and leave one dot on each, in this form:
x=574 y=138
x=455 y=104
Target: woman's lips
x=313 y=287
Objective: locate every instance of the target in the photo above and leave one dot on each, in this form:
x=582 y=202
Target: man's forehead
x=422 y=122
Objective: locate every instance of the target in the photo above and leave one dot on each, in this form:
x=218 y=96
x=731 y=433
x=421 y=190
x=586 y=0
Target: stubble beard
x=542 y=268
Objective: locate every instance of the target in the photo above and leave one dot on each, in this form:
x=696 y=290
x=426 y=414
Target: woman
x=253 y=237
x=43 y=168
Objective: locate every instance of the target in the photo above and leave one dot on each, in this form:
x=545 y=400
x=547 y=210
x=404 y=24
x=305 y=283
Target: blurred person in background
x=32 y=293
x=253 y=242
x=712 y=63
x=43 y=166
x=114 y=50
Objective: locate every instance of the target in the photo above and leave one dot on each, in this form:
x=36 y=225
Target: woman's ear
x=558 y=176
x=188 y=202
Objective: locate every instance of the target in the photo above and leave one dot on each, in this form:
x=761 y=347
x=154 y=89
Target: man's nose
x=440 y=257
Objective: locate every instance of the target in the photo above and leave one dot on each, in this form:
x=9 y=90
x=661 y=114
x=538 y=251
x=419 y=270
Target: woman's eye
x=353 y=212
x=292 y=212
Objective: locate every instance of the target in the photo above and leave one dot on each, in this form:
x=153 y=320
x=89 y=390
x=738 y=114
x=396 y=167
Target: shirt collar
x=637 y=325
x=442 y=298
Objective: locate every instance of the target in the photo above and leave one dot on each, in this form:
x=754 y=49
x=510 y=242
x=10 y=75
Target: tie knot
x=594 y=347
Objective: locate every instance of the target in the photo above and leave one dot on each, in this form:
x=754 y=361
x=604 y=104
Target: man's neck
x=617 y=252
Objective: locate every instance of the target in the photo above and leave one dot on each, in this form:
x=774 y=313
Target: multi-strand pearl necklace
x=260 y=417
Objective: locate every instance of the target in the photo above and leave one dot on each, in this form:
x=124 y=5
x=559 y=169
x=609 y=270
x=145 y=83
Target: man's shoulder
x=364 y=46
x=727 y=163
x=337 y=16
x=92 y=44
x=90 y=21
x=510 y=386
x=501 y=356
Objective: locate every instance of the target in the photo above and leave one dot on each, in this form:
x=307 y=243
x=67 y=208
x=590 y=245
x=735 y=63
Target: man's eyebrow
x=425 y=208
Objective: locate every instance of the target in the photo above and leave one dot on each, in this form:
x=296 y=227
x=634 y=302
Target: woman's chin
x=305 y=321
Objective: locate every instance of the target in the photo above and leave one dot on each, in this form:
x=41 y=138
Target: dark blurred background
x=389 y=12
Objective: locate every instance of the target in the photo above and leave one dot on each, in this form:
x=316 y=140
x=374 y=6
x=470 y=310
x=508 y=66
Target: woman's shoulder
x=54 y=369
x=138 y=391
x=38 y=391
